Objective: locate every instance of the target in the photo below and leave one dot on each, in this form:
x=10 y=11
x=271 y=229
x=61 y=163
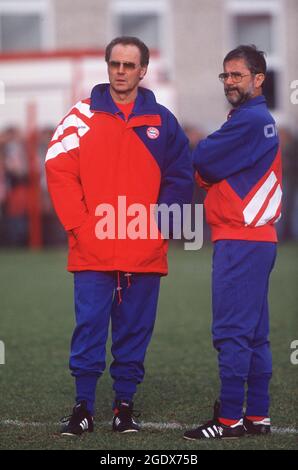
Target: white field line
x=148 y=425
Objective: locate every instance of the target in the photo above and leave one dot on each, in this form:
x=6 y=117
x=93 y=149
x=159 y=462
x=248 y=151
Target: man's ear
x=259 y=80
x=143 y=72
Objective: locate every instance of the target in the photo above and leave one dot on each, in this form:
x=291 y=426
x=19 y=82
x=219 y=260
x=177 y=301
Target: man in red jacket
x=117 y=149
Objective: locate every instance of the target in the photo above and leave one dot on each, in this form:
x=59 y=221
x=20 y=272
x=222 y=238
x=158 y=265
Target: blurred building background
x=51 y=54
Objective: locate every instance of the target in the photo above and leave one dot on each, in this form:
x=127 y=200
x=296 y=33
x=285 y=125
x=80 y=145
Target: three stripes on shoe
x=84 y=424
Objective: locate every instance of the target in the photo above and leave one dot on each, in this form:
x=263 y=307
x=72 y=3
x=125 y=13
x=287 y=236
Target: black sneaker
x=257 y=427
x=123 y=417
x=213 y=429
x=80 y=421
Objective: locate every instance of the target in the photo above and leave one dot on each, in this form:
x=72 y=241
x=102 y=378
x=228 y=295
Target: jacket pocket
x=74 y=236
x=223 y=206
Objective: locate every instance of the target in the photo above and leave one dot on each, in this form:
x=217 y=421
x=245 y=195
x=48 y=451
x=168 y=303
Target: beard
x=237 y=97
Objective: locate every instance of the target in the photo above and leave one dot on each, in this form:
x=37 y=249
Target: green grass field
x=181 y=381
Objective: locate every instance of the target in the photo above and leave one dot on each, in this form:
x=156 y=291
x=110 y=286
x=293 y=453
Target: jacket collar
x=102 y=101
x=253 y=102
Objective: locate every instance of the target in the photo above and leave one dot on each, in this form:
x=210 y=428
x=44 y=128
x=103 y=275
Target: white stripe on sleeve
x=71 y=121
x=84 y=108
x=272 y=207
x=256 y=203
x=68 y=143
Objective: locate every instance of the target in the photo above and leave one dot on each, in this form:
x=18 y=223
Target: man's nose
x=229 y=80
x=121 y=68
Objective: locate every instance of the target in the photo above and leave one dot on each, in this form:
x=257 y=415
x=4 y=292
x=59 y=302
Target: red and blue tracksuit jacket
x=96 y=156
x=240 y=166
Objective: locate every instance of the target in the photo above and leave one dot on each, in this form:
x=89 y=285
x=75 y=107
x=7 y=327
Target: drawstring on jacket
x=119 y=288
x=128 y=279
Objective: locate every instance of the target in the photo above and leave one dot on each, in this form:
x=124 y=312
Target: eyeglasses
x=127 y=66
x=235 y=76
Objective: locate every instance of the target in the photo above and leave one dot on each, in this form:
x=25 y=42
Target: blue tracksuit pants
x=129 y=301
x=240 y=328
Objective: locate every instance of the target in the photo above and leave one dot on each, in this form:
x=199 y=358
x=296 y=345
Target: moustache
x=231 y=89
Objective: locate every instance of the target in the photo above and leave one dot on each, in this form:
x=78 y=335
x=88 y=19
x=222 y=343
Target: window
x=144 y=26
x=146 y=19
x=256 y=29
x=151 y=21
x=259 y=22
x=20 y=32
x=269 y=88
x=24 y=25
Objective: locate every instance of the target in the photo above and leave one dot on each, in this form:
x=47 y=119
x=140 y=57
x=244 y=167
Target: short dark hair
x=127 y=41
x=255 y=59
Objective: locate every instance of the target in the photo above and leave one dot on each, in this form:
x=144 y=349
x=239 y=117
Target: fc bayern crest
x=152 y=132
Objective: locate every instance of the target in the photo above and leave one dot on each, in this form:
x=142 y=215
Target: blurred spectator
x=16 y=181
x=194 y=135
x=14 y=190
x=2 y=190
x=53 y=233
x=288 y=225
